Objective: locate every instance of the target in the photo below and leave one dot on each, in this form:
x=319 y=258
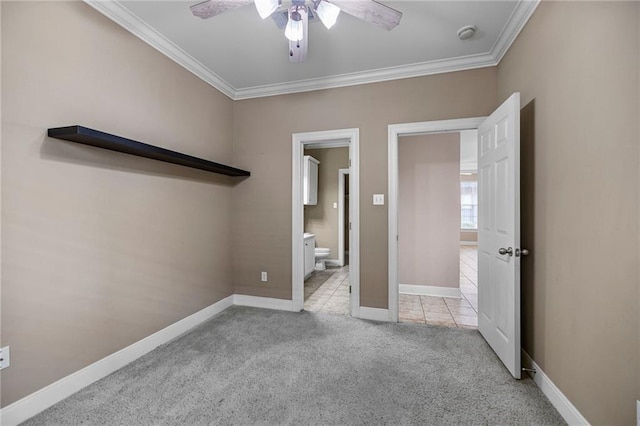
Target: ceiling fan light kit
x=298 y=15
x=327 y=12
x=267 y=7
x=295 y=30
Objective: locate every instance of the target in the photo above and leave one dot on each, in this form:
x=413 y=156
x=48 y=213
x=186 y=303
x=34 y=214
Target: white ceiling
x=245 y=57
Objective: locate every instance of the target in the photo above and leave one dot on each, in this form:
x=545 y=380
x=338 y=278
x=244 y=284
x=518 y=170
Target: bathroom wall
x=101 y=249
x=429 y=210
x=322 y=219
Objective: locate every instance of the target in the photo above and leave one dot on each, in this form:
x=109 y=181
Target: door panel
x=499 y=228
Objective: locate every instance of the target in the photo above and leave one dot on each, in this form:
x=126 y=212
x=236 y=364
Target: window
x=469 y=205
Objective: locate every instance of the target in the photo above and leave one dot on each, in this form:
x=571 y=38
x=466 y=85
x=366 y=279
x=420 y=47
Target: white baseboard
x=263 y=302
x=38 y=401
x=566 y=409
x=332 y=262
x=468 y=243
x=375 y=314
x=429 y=290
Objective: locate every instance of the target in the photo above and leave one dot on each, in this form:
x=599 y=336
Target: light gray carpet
x=254 y=366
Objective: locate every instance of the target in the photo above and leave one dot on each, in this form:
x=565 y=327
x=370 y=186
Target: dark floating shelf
x=92 y=137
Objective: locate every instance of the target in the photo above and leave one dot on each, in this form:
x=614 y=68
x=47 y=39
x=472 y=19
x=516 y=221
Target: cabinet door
x=309 y=256
x=310 y=181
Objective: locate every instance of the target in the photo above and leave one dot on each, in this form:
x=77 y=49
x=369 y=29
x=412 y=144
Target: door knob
x=522 y=252
x=508 y=251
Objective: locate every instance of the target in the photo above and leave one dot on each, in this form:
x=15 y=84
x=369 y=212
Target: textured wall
x=429 y=210
x=262 y=204
x=580 y=172
x=322 y=219
x=101 y=249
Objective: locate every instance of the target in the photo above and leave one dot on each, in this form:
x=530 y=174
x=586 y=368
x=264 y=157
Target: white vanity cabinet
x=309 y=254
x=310 y=181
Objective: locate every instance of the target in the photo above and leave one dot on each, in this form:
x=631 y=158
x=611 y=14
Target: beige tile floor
x=328 y=291
x=446 y=311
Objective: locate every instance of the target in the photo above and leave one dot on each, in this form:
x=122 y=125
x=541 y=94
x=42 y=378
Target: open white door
x=499 y=252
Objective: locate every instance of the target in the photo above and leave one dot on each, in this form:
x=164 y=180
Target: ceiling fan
x=295 y=18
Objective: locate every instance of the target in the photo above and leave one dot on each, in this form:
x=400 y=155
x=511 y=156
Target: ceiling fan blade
x=210 y=8
x=370 y=11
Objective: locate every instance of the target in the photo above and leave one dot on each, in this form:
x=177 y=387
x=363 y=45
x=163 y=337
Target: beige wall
x=263 y=145
x=579 y=92
x=322 y=219
x=429 y=210
x=101 y=249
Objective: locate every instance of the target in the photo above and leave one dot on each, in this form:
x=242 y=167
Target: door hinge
x=349 y=289
x=349 y=226
x=349 y=162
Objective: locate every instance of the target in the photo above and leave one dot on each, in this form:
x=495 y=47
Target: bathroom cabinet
x=309 y=254
x=310 y=181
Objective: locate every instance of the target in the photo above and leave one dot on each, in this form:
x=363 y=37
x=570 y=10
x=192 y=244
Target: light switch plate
x=378 y=199
x=5 y=357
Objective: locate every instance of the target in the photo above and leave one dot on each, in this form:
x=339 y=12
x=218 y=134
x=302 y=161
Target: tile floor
x=446 y=311
x=328 y=291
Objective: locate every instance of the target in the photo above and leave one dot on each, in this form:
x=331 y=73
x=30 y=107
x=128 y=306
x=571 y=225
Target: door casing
x=395 y=131
x=325 y=139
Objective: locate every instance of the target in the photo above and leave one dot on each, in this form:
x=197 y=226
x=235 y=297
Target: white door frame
x=395 y=131
x=325 y=139
x=341 y=175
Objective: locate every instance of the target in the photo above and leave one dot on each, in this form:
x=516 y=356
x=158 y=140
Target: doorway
x=395 y=132
x=436 y=274
x=499 y=251
x=325 y=139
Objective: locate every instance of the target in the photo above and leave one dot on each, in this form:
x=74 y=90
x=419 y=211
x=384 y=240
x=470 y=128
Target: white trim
x=518 y=19
x=44 y=398
x=344 y=143
x=468 y=243
x=429 y=290
x=264 y=302
x=462 y=63
x=118 y=13
x=566 y=409
x=341 y=251
x=395 y=131
x=299 y=141
x=374 y=314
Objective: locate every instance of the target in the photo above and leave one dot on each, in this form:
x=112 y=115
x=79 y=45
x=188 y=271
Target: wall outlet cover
x=378 y=199
x=263 y=276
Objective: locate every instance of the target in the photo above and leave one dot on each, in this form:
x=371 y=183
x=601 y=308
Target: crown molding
x=518 y=19
x=130 y=22
x=123 y=17
x=373 y=76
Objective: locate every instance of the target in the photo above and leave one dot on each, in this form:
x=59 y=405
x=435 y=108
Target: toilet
x=321 y=255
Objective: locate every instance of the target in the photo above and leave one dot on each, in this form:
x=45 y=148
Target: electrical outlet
x=263 y=276
x=5 y=357
x=378 y=199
